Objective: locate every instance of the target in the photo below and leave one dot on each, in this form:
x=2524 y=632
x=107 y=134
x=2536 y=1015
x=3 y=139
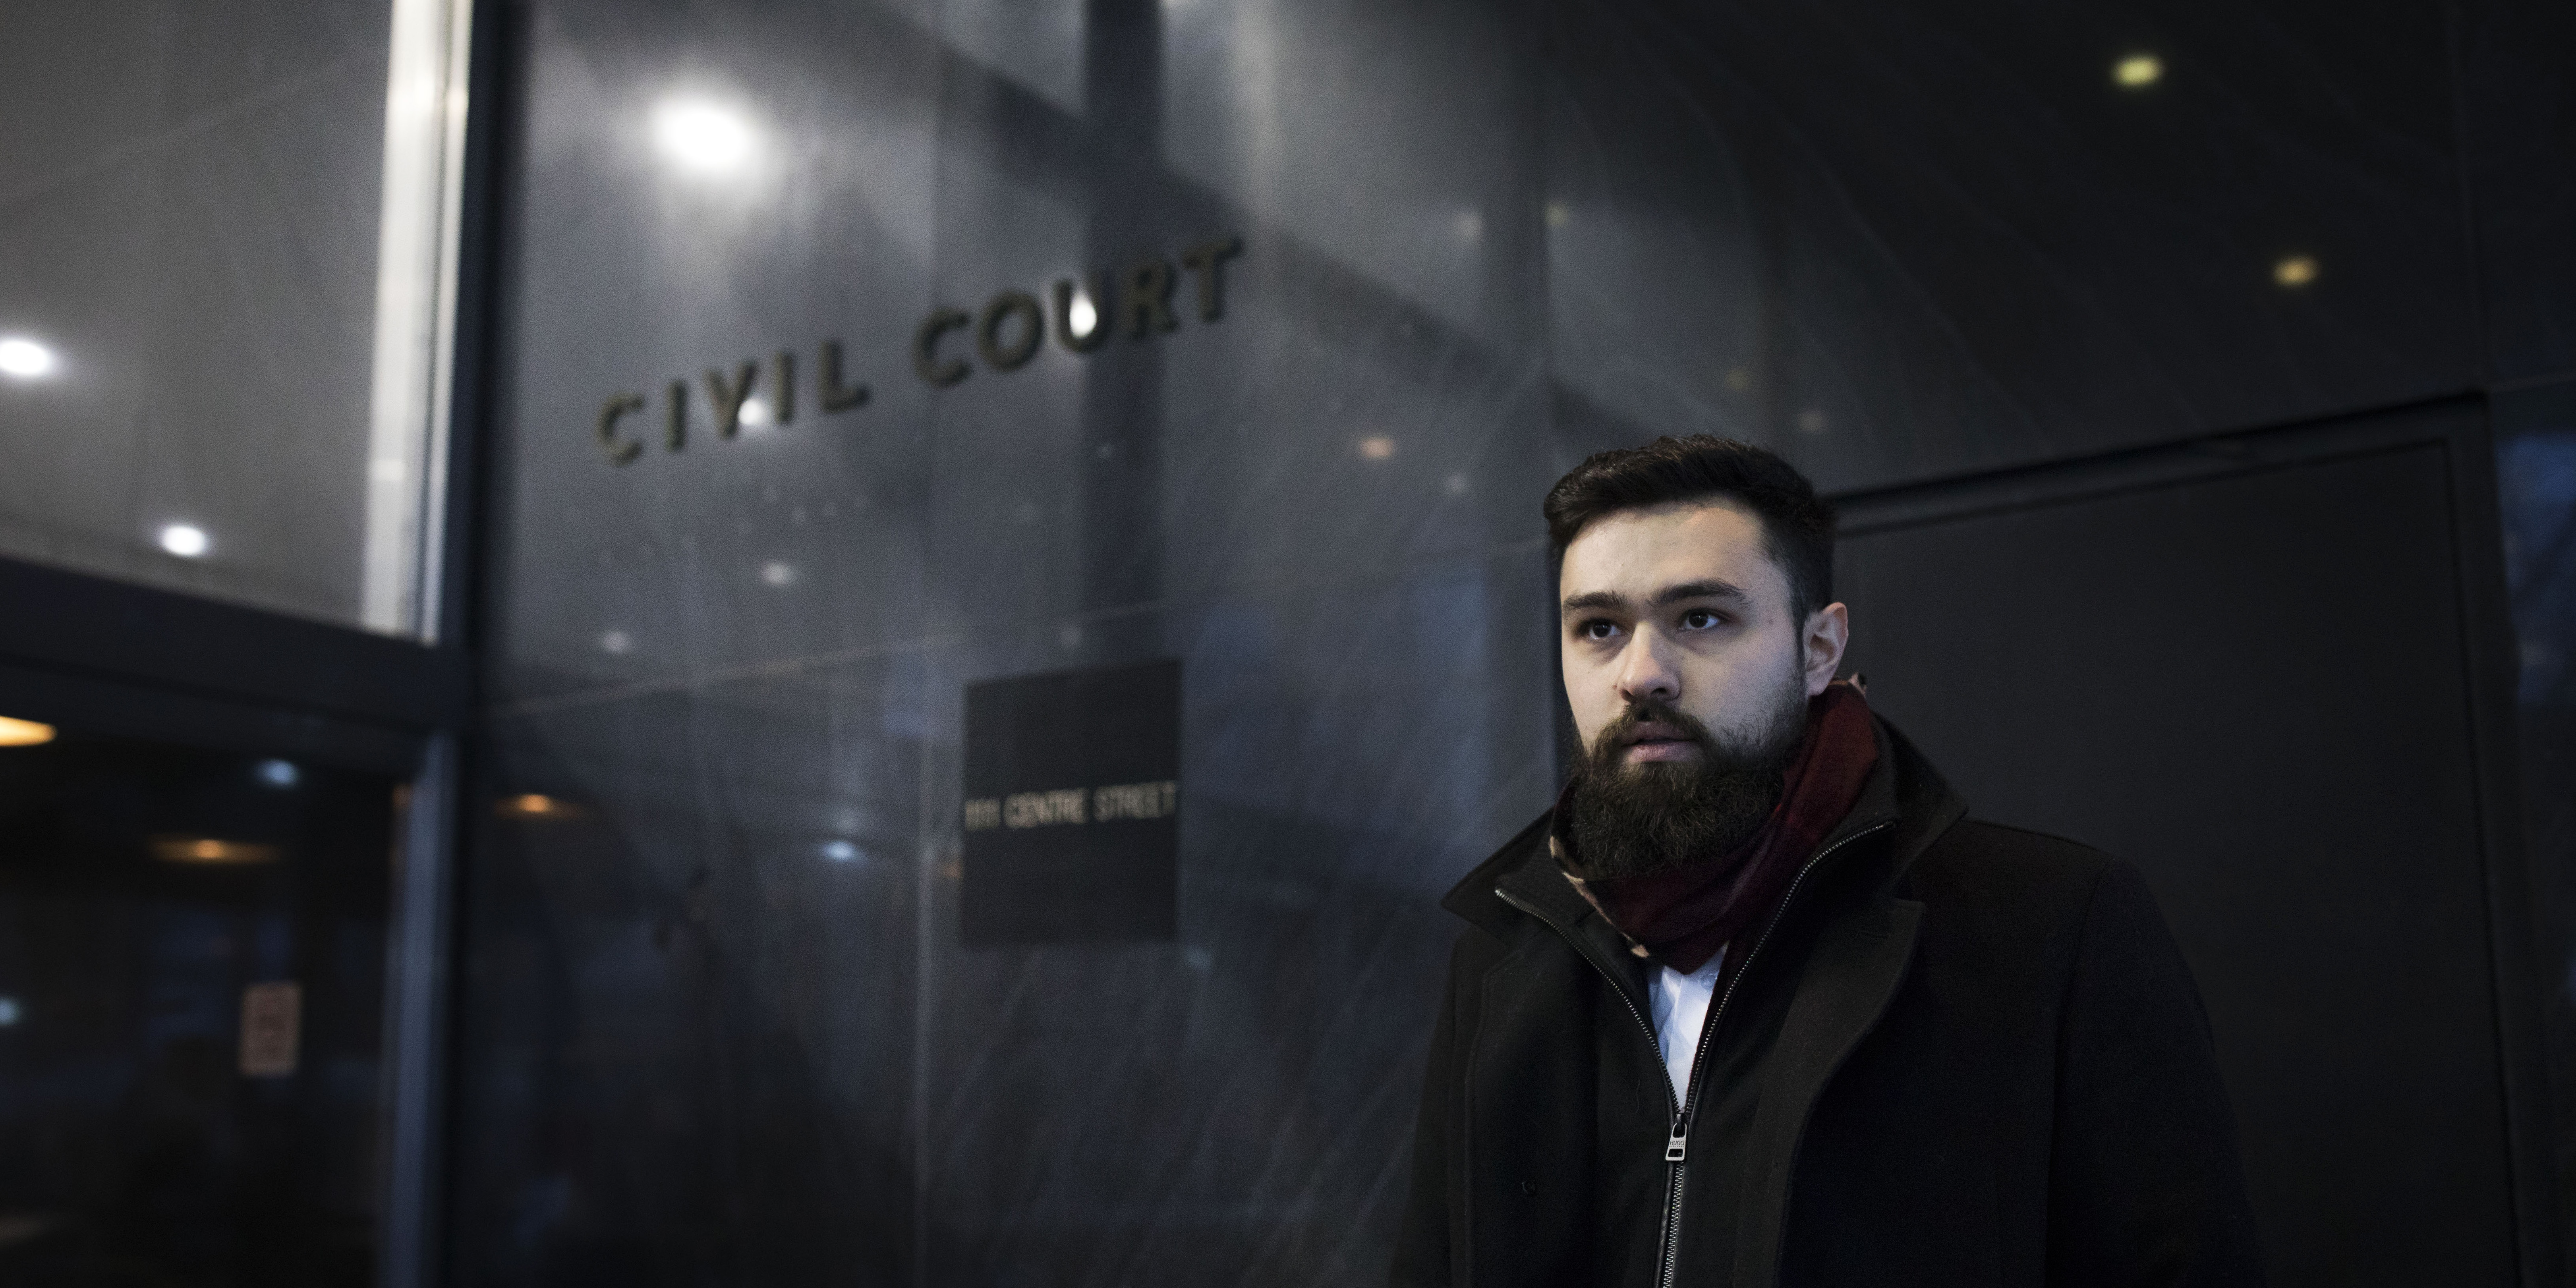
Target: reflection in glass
x=186 y=540
x=704 y=137
x=235 y=288
x=24 y=358
x=194 y=973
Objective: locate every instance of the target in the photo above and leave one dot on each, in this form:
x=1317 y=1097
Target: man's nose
x=1644 y=671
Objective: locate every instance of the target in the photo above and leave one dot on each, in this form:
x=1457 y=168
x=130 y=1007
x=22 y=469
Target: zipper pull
x=1678 y=1147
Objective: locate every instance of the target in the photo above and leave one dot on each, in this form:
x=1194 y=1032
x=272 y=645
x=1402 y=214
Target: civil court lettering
x=1007 y=333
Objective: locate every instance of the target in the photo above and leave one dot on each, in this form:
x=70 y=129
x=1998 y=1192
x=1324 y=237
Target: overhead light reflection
x=186 y=540
x=206 y=849
x=25 y=359
x=1081 y=317
x=537 y=805
x=24 y=733
x=2296 y=271
x=279 y=773
x=1376 y=447
x=705 y=137
x=2137 y=71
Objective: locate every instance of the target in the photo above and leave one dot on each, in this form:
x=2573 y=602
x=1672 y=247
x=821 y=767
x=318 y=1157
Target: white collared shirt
x=1679 y=1005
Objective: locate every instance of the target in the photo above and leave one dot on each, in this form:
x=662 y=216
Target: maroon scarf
x=1681 y=918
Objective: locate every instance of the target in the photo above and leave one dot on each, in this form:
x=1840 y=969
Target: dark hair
x=1797 y=526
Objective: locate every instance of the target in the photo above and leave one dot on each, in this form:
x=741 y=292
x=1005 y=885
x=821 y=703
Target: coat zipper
x=1677 y=1144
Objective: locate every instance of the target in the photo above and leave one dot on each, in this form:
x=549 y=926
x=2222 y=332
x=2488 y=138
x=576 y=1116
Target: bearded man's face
x=1688 y=674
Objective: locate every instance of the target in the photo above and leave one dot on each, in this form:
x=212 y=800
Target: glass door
x=192 y=993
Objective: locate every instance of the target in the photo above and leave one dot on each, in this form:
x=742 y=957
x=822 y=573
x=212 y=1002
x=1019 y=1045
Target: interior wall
x=715 y=1023
x=189 y=202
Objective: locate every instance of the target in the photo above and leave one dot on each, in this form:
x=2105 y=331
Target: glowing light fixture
x=24 y=733
x=840 y=851
x=1081 y=317
x=537 y=805
x=206 y=849
x=1376 y=447
x=704 y=137
x=24 y=359
x=279 y=773
x=186 y=540
x=615 y=641
x=9 y=1012
x=778 y=574
x=2137 y=71
x=2296 y=271
x=754 y=413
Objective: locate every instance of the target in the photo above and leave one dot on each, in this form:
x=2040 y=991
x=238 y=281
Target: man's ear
x=1828 y=633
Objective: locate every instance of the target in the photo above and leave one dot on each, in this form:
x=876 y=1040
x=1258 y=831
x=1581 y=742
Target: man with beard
x=1756 y=1004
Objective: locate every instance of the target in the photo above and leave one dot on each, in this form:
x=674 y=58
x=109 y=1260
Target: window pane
x=224 y=237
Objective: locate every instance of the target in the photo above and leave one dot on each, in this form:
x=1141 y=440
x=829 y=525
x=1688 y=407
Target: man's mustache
x=1645 y=711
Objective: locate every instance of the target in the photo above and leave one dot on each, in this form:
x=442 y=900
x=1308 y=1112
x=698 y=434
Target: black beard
x=1636 y=820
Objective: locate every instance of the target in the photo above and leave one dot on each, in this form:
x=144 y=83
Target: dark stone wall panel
x=2170 y=673
x=2518 y=116
x=1894 y=240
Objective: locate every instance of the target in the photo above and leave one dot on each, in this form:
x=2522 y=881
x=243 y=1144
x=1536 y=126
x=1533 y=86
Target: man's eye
x=1700 y=619
x=1597 y=629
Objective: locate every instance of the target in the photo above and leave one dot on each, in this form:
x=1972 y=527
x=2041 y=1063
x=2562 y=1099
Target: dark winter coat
x=1958 y=1054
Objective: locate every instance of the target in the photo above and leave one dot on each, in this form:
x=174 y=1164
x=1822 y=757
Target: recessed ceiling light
x=2137 y=71
x=705 y=137
x=840 y=851
x=1376 y=447
x=24 y=733
x=279 y=773
x=206 y=849
x=2297 y=270
x=186 y=540
x=24 y=358
x=537 y=805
